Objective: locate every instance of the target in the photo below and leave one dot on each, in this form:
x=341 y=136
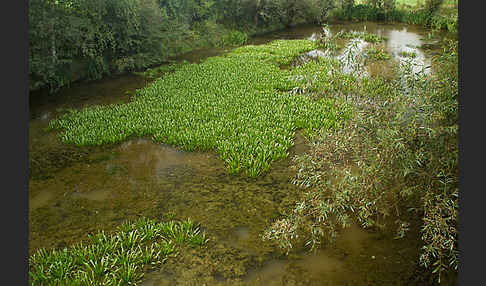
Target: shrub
x=396 y=157
x=234 y=38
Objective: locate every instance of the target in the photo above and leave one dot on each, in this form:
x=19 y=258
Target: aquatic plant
x=368 y=37
x=113 y=259
x=377 y=54
x=408 y=54
x=444 y=22
x=238 y=105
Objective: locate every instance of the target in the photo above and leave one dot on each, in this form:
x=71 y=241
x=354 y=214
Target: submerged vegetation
x=114 y=259
x=394 y=159
x=222 y=104
x=407 y=54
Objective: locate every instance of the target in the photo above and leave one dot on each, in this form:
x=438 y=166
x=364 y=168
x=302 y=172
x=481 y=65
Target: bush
x=396 y=158
x=359 y=13
x=234 y=38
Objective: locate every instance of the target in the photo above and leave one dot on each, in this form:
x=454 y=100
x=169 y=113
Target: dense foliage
x=221 y=104
x=430 y=14
x=397 y=157
x=78 y=39
x=88 y=39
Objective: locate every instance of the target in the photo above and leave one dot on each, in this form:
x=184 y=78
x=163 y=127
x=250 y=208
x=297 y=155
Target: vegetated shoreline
x=228 y=36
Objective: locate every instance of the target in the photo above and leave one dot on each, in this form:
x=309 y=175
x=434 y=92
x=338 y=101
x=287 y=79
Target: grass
x=239 y=105
x=114 y=259
x=396 y=158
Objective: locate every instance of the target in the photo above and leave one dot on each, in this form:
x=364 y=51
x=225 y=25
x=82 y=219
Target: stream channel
x=75 y=191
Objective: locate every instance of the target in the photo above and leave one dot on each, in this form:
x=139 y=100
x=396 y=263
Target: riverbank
x=153 y=38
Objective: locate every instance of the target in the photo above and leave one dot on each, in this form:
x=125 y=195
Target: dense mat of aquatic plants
x=239 y=105
x=114 y=259
x=377 y=54
x=368 y=37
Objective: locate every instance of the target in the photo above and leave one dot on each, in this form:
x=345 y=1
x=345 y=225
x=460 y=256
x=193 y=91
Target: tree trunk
x=52 y=33
x=258 y=7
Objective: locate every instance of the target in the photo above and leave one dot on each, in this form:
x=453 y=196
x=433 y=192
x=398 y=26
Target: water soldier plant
x=375 y=53
x=367 y=37
x=239 y=105
x=408 y=54
x=114 y=259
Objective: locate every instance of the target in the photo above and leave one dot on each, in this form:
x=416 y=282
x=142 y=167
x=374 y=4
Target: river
x=74 y=191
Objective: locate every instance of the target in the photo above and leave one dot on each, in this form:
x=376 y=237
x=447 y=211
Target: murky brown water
x=81 y=190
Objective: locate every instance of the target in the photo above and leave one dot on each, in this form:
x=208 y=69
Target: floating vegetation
x=368 y=37
x=114 y=259
x=407 y=54
x=377 y=54
x=238 y=105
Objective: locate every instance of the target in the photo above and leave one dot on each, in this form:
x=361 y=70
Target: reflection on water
x=272 y=271
x=165 y=161
x=400 y=38
x=141 y=178
x=323 y=265
x=400 y=41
